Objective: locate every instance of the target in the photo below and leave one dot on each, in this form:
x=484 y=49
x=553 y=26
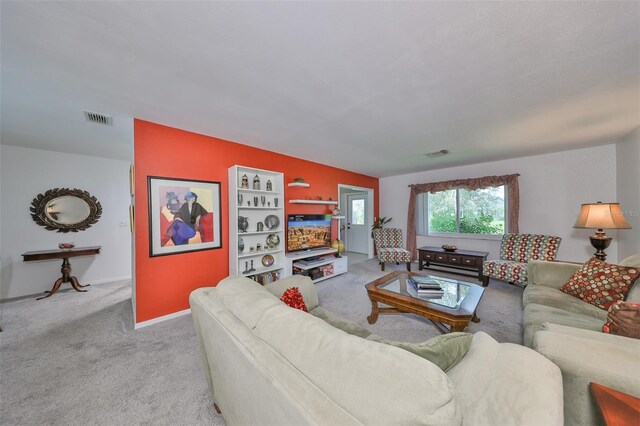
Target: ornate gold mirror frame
x=65 y=210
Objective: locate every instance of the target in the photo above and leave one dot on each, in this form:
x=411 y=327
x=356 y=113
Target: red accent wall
x=163 y=283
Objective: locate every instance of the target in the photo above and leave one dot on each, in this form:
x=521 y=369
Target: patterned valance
x=513 y=200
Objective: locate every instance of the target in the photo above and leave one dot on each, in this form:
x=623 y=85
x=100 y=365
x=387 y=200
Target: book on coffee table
x=427 y=284
x=413 y=288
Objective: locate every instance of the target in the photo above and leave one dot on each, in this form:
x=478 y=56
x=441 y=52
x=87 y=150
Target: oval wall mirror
x=65 y=210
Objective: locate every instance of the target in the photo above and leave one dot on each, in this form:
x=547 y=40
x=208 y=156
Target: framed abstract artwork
x=184 y=215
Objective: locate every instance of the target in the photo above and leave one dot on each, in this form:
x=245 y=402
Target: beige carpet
x=74 y=359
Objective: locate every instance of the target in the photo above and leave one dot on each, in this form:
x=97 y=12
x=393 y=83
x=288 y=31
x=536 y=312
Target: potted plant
x=378 y=223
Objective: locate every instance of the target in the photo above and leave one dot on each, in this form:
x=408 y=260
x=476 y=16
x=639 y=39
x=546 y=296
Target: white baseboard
x=162 y=318
x=110 y=280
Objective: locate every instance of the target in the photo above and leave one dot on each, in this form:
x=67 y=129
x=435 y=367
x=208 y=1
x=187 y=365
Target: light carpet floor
x=74 y=359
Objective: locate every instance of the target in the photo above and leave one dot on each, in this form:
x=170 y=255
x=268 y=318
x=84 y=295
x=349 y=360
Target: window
x=357 y=212
x=465 y=212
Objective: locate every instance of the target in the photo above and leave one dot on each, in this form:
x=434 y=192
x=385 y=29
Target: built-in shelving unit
x=298 y=263
x=250 y=249
x=326 y=202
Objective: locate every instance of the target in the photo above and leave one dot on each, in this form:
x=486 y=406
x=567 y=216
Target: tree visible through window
x=481 y=211
x=357 y=212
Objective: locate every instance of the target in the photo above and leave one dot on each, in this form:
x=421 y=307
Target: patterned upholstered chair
x=390 y=248
x=515 y=251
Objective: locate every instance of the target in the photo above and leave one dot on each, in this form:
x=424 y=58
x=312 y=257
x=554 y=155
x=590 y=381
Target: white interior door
x=357 y=231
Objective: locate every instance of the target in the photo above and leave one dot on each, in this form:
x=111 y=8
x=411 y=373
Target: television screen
x=308 y=231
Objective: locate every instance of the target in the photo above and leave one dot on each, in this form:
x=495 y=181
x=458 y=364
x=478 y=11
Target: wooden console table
x=465 y=260
x=63 y=254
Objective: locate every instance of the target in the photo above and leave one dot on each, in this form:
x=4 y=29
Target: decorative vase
x=240 y=245
x=338 y=245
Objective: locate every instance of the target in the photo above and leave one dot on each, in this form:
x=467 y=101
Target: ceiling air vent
x=435 y=154
x=94 y=117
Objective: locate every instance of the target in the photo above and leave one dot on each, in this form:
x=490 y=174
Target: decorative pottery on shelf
x=243 y=223
x=267 y=260
x=272 y=241
x=66 y=246
x=272 y=221
x=448 y=247
x=338 y=245
x=240 y=245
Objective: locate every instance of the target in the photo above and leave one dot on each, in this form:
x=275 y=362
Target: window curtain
x=513 y=200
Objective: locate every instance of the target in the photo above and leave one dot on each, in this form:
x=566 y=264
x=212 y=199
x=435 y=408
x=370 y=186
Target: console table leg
x=76 y=285
x=374 y=312
x=55 y=288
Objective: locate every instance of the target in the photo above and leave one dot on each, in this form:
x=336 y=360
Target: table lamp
x=601 y=216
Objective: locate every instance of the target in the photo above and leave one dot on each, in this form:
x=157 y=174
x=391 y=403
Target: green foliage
x=483 y=224
x=378 y=223
x=481 y=211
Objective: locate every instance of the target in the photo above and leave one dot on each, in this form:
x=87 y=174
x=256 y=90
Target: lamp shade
x=601 y=216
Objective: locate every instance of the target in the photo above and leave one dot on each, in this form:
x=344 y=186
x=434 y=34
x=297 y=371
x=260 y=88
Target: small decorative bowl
x=66 y=246
x=447 y=247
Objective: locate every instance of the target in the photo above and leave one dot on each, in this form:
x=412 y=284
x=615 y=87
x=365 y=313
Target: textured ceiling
x=366 y=86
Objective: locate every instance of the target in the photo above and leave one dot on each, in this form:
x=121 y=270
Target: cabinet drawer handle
x=454 y=259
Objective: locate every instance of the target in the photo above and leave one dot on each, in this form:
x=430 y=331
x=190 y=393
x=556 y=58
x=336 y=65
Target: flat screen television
x=308 y=231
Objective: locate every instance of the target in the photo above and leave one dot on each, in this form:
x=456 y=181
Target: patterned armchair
x=515 y=251
x=388 y=243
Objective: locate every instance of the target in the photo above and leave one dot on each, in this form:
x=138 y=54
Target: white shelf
x=259 y=191
x=300 y=184
x=273 y=231
x=335 y=203
x=259 y=271
x=338 y=217
x=259 y=208
x=312 y=265
x=244 y=255
x=309 y=253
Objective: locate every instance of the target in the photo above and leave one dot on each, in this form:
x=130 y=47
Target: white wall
x=552 y=187
x=28 y=172
x=628 y=181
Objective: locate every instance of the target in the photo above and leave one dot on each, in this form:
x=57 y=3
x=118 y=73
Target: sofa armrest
x=586 y=356
x=550 y=274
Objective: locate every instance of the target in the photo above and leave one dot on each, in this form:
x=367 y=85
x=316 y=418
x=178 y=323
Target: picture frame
x=184 y=215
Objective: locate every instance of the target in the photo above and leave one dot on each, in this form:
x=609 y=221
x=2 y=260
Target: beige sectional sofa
x=567 y=331
x=267 y=363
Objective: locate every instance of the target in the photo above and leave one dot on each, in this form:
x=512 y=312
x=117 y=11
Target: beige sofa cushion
x=246 y=299
x=586 y=356
x=497 y=384
x=535 y=315
x=339 y=322
x=376 y=383
x=445 y=351
x=557 y=299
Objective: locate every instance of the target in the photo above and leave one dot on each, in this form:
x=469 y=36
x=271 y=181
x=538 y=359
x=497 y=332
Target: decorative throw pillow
x=293 y=298
x=623 y=319
x=445 y=351
x=600 y=283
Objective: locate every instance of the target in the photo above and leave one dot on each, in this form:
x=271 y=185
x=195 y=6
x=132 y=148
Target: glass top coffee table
x=450 y=312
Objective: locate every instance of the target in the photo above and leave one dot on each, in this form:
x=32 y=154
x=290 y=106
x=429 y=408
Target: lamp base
x=600 y=241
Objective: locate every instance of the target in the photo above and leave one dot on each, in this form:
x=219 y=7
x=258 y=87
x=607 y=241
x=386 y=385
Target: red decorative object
x=623 y=319
x=293 y=298
x=600 y=283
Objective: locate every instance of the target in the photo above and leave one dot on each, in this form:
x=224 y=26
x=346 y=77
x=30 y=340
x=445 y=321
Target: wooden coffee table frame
x=446 y=320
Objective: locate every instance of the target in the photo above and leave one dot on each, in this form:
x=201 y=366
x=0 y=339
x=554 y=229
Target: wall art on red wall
x=184 y=215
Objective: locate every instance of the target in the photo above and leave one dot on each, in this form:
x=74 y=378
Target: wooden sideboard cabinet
x=463 y=260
